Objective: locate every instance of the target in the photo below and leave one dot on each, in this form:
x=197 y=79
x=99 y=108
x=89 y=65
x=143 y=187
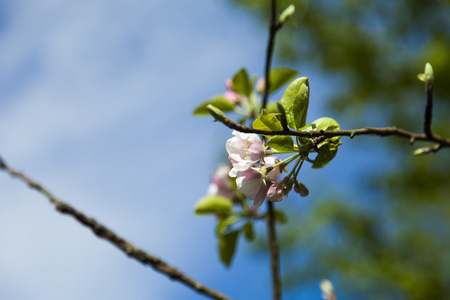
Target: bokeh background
x=95 y=104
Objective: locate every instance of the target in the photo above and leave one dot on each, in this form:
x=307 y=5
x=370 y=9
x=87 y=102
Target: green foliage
x=287 y=13
x=327 y=151
x=249 y=231
x=216 y=113
x=227 y=246
x=280 y=76
x=241 y=83
x=224 y=223
x=280 y=216
x=266 y=121
x=281 y=143
x=325 y=123
x=219 y=102
x=428 y=75
x=214 y=205
x=295 y=101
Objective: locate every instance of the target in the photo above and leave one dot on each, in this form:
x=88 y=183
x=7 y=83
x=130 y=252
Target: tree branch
x=273 y=243
x=385 y=131
x=428 y=110
x=104 y=233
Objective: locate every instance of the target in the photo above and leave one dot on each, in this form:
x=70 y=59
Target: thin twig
x=104 y=233
x=274 y=252
x=385 y=131
x=428 y=110
x=273 y=243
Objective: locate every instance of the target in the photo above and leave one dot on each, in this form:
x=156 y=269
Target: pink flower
x=276 y=192
x=244 y=150
x=232 y=97
x=229 y=84
x=221 y=183
x=270 y=161
x=252 y=184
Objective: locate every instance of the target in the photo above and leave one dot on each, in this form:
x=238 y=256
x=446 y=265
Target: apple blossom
x=252 y=184
x=270 y=161
x=244 y=150
x=221 y=183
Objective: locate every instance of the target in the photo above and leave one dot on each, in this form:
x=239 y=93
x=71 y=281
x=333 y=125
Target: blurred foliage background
x=397 y=247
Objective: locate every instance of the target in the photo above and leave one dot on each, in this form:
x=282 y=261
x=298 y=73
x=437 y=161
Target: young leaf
x=325 y=123
x=266 y=121
x=249 y=231
x=280 y=76
x=428 y=75
x=219 y=101
x=216 y=113
x=281 y=143
x=224 y=223
x=241 y=83
x=271 y=107
x=213 y=205
x=280 y=217
x=295 y=101
x=287 y=13
x=227 y=246
x=327 y=151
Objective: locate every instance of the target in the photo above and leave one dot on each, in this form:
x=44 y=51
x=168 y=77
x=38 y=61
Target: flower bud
x=229 y=84
x=232 y=97
x=301 y=189
x=276 y=192
x=261 y=85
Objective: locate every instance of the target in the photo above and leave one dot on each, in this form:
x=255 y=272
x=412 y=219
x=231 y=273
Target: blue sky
x=95 y=104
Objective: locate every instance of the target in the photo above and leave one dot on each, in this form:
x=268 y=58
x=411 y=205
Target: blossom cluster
x=256 y=174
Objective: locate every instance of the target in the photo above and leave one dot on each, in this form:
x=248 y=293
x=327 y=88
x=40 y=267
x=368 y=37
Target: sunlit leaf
x=219 y=101
x=281 y=143
x=241 y=83
x=280 y=76
x=266 y=121
x=213 y=205
x=295 y=101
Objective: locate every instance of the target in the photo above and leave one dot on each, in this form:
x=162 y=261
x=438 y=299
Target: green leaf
x=272 y=107
x=219 y=101
x=249 y=231
x=213 y=205
x=427 y=76
x=280 y=76
x=281 y=143
x=287 y=13
x=216 y=113
x=241 y=83
x=295 y=101
x=280 y=217
x=325 y=123
x=266 y=121
x=227 y=246
x=327 y=151
x=224 y=223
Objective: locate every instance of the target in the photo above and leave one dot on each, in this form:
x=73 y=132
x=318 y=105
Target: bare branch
x=104 y=233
